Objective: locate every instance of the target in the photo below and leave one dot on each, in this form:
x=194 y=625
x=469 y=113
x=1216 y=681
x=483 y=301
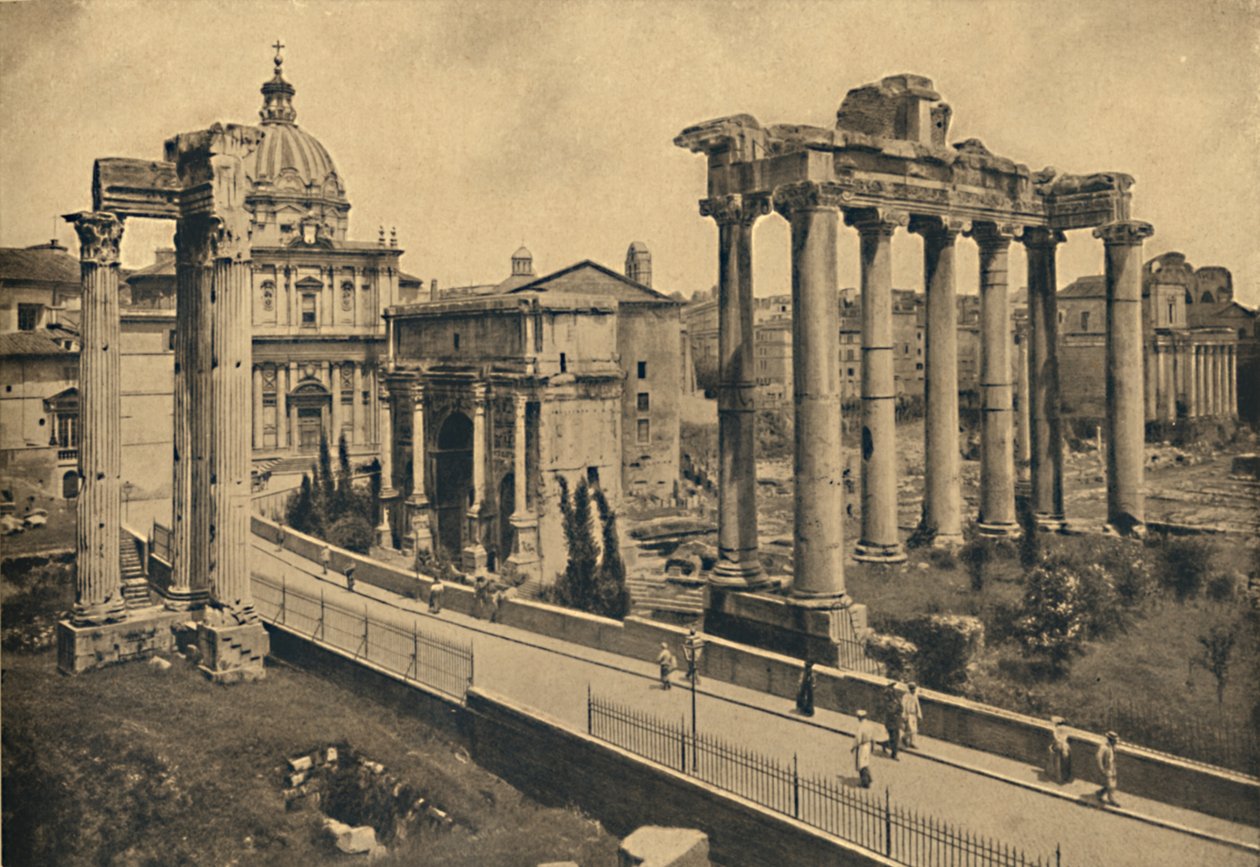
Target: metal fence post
x=415 y=652
x=887 y=824
x=590 y=728
x=284 y=595
x=796 y=789
x=321 y=614
x=682 y=744
x=1058 y=856
x=365 y=632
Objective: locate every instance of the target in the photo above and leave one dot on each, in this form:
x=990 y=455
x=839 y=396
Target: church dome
x=293 y=176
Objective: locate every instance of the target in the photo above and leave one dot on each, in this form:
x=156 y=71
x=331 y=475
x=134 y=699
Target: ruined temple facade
x=888 y=166
x=494 y=396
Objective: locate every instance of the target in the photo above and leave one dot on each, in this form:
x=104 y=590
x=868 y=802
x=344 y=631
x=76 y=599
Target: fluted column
x=282 y=409
x=1167 y=384
x=818 y=572
x=334 y=411
x=942 y=483
x=1232 y=381
x=738 y=565
x=1019 y=372
x=997 y=460
x=295 y=432
x=187 y=459
x=1150 y=380
x=98 y=578
x=879 y=541
x=1218 y=380
x=1126 y=431
x=1045 y=430
x=474 y=553
x=418 y=502
x=524 y=556
x=1190 y=357
x=258 y=406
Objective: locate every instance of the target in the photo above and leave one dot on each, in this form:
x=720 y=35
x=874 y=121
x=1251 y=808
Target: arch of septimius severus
x=886 y=165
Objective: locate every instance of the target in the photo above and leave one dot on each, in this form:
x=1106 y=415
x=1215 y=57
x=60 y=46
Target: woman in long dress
x=1059 y=760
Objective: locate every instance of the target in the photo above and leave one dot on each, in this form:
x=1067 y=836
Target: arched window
x=70 y=485
x=1084 y=320
x=1207 y=298
x=1189 y=297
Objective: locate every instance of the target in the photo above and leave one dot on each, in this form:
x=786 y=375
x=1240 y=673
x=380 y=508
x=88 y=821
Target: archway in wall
x=453 y=492
x=310 y=404
x=70 y=485
x=507 y=505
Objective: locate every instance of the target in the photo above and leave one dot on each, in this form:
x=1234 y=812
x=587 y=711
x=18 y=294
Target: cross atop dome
x=278 y=94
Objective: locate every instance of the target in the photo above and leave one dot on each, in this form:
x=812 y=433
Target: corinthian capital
x=990 y=234
x=1124 y=233
x=805 y=196
x=945 y=228
x=229 y=235
x=1042 y=236
x=100 y=235
x=735 y=208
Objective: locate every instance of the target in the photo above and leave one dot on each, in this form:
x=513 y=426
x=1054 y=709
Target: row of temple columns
x=1202 y=376
x=213 y=354
x=280 y=378
x=813 y=211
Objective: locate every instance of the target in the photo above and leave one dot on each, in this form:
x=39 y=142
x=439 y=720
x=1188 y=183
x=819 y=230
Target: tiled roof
x=1092 y=286
x=30 y=343
x=43 y=264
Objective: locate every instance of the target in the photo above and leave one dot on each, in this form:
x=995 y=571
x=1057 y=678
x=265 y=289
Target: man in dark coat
x=893 y=717
x=805 y=692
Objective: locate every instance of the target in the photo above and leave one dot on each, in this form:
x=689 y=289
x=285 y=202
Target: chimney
x=433 y=289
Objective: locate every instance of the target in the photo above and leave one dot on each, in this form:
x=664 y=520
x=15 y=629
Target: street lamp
x=127 y=488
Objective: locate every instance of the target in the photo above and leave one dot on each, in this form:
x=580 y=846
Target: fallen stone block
x=357 y=841
x=297 y=779
x=654 y=846
x=159 y=664
x=301 y=763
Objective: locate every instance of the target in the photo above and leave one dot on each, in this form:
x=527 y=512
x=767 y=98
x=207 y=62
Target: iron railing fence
x=855 y=815
x=1212 y=741
x=438 y=663
x=163 y=541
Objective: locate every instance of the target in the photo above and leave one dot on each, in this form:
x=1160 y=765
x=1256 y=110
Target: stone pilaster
x=1126 y=431
x=282 y=410
x=879 y=542
x=98 y=594
x=334 y=411
x=818 y=577
x=997 y=459
x=257 y=414
x=356 y=405
x=942 y=488
x=385 y=530
x=738 y=565
x=1045 y=427
x=474 y=554
x=418 y=520
x=524 y=560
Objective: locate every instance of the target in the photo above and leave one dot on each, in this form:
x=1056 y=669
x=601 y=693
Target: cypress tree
x=576 y=585
x=612 y=599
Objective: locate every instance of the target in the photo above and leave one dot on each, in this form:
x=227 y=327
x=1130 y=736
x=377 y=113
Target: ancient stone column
x=1019 y=372
x=1201 y=368
x=295 y=432
x=1167 y=383
x=1190 y=357
x=282 y=411
x=1151 y=381
x=879 y=542
x=258 y=406
x=334 y=411
x=418 y=502
x=997 y=460
x=1232 y=381
x=384 y=531
x=474 y=553
x=1045 y=430
x=1126 y=431
x=738 y=565
x=98 y=594
x=818 y=575
x=1218 y=380
x=942 y=488
x=524 y=558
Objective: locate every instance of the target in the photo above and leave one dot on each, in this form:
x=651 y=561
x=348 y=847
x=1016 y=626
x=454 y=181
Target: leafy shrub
x=948 y=644
x=352 y=532
x=1185 y=562
x=943 y=558
x=1104 y=613
x=1226 y=586
x=895 y=653
x=1053 y=620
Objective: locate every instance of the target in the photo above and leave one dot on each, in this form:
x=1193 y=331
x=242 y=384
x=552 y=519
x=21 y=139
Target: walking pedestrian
x=892 y=717
x=693 y=649
x=863 y=741
x=667 y=662
x=325 y=557
x=349 y=573
x=1059 y=762
x=805 y=692
x=1107 y=767
x=911 y=714
x=435 y=595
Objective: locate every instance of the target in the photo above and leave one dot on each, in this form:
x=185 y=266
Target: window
x=28 y=316
x=643 y=400
x=592 y=475
x=918 y=365
x=68 y=430
x=308 y=310
x=170 y=340
x=1171 y=317
x=456 y=340
x=1085 y=320
x=70 y=485
x=1207 y=298
x=642 y=370
x=850 y=371
x=564 y=363
x=644 y=430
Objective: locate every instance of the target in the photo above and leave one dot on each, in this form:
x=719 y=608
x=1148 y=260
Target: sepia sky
x=476 y=126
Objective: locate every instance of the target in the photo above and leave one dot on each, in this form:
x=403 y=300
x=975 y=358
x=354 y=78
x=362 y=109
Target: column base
x=420 y=535
x=524 y=563
x=746 y=574
x=473 y=559
x=146 y=632
x=1127 y=526
x=873 y=552
x=1051 y=523
x=947 y=540
x=183 y=598
x=233 y=653
x=997 y=530
x=823 y=629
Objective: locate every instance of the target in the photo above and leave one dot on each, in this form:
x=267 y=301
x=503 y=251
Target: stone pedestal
x=782 y=625
x=525 y=562
x=146 y=631
x=419 y=526
x=232 y=653
x=385 y=530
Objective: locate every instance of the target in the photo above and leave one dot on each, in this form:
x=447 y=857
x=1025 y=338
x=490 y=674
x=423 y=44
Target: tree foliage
x=1054 y=616
x=327 y=505
x=1218 y=648
x=592 y=581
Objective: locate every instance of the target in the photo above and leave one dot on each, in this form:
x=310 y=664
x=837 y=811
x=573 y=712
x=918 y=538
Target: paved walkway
x=980 y=792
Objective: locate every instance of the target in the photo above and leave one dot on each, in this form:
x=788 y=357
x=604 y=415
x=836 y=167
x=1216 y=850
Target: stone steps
x=135 y=583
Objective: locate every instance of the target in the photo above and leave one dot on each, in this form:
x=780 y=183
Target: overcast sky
x=475 y=126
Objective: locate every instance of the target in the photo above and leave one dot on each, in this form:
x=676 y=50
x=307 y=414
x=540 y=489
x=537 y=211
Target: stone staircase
x=649 y=593
x=135 y=582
